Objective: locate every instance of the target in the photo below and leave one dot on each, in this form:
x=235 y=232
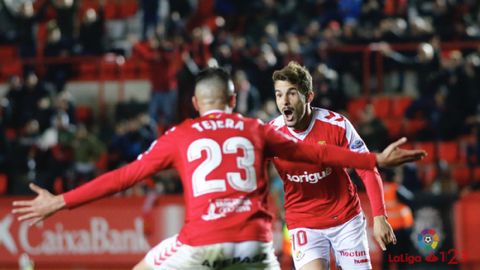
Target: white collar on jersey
x=213 y=111
x=301 y=135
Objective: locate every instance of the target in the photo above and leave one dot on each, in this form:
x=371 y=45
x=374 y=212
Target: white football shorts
x=348 y=241
x=172 y=254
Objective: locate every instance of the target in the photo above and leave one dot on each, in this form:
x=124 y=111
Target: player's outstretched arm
x=392 y=155
x=40 y=208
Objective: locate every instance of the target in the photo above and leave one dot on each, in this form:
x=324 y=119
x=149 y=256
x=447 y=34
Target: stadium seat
x=87 y=71
x=10 y=133
x=430 y=148
x=382 y=106
x=412 y=126
x=83 y=114
x=14 y=67
x=476 y=174
x=3 y=184
x=102 y=162
x=427 y=173
x=108 y=70
x=355 y=106
x=461 y=175
x=129 y=70
x=8 y=52
x=111 y=10
x=58 y=185
x=400 y=105
x=143 y=70
x=448 y=151
x=407 y=145
x=394 y=127
x=128 y=8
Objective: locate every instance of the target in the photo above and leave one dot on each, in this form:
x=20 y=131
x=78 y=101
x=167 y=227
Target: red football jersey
x=318 y=196
x=221 y=160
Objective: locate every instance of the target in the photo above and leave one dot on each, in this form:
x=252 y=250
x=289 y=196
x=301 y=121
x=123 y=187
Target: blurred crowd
x=43 y=139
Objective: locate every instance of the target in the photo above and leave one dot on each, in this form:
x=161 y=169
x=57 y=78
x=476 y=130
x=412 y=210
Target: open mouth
x=288 y=114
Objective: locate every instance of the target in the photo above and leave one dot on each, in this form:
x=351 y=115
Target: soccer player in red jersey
x=221 y=160
x=322 y=205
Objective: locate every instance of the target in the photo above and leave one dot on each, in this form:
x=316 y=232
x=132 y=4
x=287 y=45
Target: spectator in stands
x=64 y=104
x=92 y=30
x=66 y=16
x=34 y=101
x=23 y=158
x=467 y=87
x=165 y=61
x=328 y=93
x=372 y=129
x=400 y=217
x=56 y=46
x=131 y=138
x=25 y=19
x=87 y=149
x=443 y=182
x=150 y=10
x=265 y=63
x=115 y=146
x=248 y=98
x=13 y=100
x=8 y=32
x=4 y=145
x=57 y=141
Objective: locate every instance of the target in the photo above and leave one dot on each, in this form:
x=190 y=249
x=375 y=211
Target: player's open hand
x=393 y=155
x=383 y=232
x=38 y=209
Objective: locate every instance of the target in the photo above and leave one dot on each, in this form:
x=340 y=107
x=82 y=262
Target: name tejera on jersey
x=311 y=178
x=221 y=207
x=215 y=124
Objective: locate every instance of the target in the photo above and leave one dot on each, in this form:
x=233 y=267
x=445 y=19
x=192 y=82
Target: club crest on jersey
x=356 y=144
x=299 y=255
x=311 y=178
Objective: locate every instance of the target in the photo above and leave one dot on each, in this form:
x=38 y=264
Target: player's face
x=291 y=103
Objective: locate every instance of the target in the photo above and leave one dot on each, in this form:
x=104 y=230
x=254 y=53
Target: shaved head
x=213 y=90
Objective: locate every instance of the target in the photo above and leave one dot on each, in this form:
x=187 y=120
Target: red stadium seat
x=87 y=71
x=108 y=70
x=8 y=52
x=449 y=152
x=129 y=70
x=427 y=174
x=462 y=175
x=430 y=148
x=84 y=114
x=399 y=105
x=3 y=184
x=14 y=67
x=128 y=8
x=411 y=127
x=382 y=106
x=143 y=70
x=355 y=106
x=58 y=185
x=111 y=10
x=102 y=162
x=476 y=174
x=394 y=127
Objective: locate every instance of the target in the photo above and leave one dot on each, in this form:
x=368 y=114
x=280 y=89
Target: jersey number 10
x=213 y=160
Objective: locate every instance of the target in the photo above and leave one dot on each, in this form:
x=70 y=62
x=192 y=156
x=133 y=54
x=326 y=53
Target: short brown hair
x=295 y=74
